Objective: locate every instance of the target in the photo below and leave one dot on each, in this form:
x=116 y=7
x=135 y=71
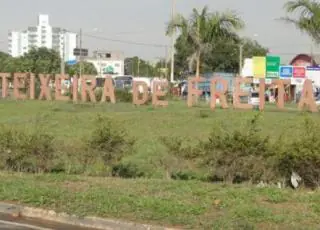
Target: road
x=7 y=222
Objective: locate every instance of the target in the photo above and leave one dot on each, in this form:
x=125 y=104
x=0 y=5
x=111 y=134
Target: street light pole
x=80 y=64
x=172 y=42
x=240 y=58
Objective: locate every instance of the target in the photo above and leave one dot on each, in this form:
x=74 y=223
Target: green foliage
x=123 y=95
x=218 y=44
x=201 y=35
x=24 y=151
x=41 y=60
x=240 y=155
x=308 y=20
x=245 y=154
x=108 y=142
x=303 y=154
x=87 y=68
x=139 y=67
x=127 y=170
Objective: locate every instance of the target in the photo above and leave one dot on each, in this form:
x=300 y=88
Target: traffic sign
x=299 y=72
x=272 y=66
x=80 y=52
x=286 y=71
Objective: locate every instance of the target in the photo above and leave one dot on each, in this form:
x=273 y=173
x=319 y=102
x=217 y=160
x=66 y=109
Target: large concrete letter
x=108 y=91
x=75 y=89
x=221 y=93
x=192 y=90
x=238 y=93
x=45 y=89
x=307 y=98
x=32 y=86
x=262 y=91
x=4 y=77
x=85 y=89
x=135 y=91
x=281 y=92
x=158 y=92
x=58 y=93
x=19 y=82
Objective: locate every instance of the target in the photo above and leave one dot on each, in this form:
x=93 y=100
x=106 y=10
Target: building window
x=117 y=65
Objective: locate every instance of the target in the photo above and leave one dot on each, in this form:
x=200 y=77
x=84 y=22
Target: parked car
x=318 y=100
x=253 y=98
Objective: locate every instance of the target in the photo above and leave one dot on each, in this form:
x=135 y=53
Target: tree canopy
x=40 y=60
x=202 y=35
x=305 y=15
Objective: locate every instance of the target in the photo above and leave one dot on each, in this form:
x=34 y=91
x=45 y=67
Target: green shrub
x=123 y=95
x=204 y=113
x=24 y=151
x=302 y=154
x=242 y=155
x=127 y=170
x=108 y=142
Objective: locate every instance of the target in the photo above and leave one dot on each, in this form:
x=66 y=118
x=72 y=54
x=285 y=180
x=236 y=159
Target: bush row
x=38 y=151
x=246 y=155
x=241 y=155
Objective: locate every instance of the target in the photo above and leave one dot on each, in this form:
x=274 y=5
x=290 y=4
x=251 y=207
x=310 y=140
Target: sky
x=144 y=21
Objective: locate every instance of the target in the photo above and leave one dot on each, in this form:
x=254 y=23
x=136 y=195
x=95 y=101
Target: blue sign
x=286 y=71
x=313 y=68
x=71 y=62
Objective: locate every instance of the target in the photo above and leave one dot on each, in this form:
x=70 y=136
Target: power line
x=126 y=41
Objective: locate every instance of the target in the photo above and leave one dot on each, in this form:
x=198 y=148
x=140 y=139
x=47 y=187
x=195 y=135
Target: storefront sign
x=299 y=72
x=272 y=66
x=286 y=71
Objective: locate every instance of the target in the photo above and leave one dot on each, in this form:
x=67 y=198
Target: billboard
x=299 y=72
x=286 y=71
x=272 y=66
x=259 y=67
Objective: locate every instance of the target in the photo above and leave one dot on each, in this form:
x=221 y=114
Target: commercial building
x=42 y=35
x=109 y=63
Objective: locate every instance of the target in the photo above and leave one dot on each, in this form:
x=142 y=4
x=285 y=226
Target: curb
x=63 y=218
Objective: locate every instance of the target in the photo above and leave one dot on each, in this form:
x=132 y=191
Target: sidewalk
x=49 y=220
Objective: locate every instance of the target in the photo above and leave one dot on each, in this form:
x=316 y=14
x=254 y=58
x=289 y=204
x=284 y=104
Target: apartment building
x=42 y=35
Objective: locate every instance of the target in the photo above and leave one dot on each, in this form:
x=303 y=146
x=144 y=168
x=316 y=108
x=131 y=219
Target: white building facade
x=42 y=35
x=108 y=62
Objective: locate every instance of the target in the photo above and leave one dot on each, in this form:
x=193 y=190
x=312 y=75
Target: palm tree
x=308 y=20
x=202 y=29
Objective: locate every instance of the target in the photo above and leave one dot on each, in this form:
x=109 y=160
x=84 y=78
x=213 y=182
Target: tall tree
x=138 y=67
x=43 y=60
x=202 y=29
x=308 y=19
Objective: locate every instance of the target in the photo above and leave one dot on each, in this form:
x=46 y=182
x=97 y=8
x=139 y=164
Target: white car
x=318 y=100
x=254 y=99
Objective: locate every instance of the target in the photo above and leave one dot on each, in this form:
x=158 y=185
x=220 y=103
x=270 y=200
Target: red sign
x=299 y=72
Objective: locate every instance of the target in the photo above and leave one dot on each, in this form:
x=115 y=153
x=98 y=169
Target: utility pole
x=80 y=44
x=240 y=58
x=311 y=55
x=172 y=42
x=138 y=67
x=166 y=63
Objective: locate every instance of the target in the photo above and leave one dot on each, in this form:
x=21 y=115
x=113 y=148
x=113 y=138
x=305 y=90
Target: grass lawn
x=189 y=204
x=70 y=123
x=192 y=205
